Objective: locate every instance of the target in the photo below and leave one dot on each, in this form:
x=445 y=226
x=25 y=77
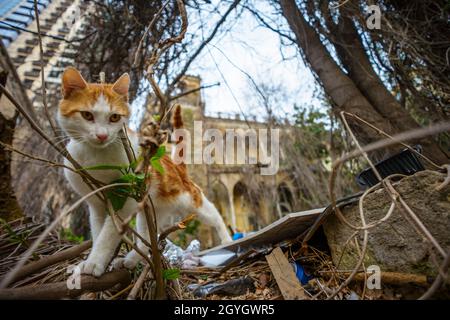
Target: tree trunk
x=343 y=90
x=353 y=56
x=335 y=83
x=9 y=207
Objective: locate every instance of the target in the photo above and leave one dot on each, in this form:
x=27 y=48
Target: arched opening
x=285 y=200
x=245 y=217
x=220 y=198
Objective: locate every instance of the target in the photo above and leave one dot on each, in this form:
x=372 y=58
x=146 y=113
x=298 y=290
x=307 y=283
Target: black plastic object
x=234 y=287
x=406 y=162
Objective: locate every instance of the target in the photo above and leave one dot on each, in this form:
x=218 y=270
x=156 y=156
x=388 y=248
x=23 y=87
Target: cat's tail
x=177 y=120
x=177 y=123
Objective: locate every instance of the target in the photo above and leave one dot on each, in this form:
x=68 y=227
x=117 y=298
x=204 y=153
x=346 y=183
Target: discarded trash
x=173 y=253
x=406 y=162
x=352 y=296
x=193 y=247
x=185 y=259
x=238 y=235
x=233 y=287
x=217 y=258
x=300 y=273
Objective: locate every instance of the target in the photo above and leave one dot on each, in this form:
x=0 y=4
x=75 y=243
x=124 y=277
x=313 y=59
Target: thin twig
x=27 y=155
x=438 y=281
x=139 y=282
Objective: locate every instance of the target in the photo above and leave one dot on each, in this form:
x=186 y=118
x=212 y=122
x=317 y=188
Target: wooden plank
x=283 y=272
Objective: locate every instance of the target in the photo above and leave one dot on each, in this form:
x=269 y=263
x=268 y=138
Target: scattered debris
x=288 y=227
x=217 y=258
x=178 y=257
x=286 y=278
x=352 y=296
x=285 y=260
x=300 y=272
x=234 y=287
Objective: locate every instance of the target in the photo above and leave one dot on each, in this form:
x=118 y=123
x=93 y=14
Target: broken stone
x=395 y=245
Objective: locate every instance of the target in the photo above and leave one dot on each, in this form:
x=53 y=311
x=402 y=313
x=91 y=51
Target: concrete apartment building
x=60 y=23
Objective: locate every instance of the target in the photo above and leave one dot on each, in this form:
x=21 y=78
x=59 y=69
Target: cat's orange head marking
x=78 y=95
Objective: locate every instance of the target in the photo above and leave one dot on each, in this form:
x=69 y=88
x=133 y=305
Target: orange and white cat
x=92 y=115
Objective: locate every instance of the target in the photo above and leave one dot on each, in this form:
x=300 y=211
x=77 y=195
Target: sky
x=257 y=51
x=248 y=49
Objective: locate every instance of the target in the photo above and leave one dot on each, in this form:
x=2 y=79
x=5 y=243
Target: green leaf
x=156 y=164
x=117 y=200
x=160 y=152
x=155 y=160
x=140 y=177
x=69 y=235
x=118 y=195
x=127 y=178
x=171 y=274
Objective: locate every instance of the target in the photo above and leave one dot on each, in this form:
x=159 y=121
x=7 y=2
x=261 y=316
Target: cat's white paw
x=92 y=267
x=126 y=262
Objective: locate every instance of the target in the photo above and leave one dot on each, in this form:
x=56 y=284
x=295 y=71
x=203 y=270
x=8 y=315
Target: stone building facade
x=246 y=199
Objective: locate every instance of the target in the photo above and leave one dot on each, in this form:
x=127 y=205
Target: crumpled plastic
x=184 y=259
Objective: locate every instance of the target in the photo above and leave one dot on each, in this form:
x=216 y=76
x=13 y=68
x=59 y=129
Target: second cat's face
x=93 y=113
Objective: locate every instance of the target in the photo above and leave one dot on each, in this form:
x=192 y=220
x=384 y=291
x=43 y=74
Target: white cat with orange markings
x=92 y=115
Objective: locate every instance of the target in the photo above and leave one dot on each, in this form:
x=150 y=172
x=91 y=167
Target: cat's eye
x=114 y=117
x=87 y=115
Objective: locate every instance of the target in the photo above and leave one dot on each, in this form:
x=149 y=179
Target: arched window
x=245 y=217
x=285 y=200
x=220 y=198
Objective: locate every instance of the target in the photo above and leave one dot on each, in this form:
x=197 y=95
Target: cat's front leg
x=106 y=243
x=97 y=215
x=133 y=257
x=102 y=250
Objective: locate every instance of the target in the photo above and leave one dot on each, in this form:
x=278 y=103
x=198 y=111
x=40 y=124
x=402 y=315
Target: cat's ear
x=122 y=85
x=72 y=80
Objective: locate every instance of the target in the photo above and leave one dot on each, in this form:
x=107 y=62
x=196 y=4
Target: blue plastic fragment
x=300 y=273
x=238 y=235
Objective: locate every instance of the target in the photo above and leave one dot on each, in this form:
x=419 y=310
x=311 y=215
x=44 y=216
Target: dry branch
x=179 y=226
x=393 y=278
x=140 y=281
x=60 y=290
x=40 y=264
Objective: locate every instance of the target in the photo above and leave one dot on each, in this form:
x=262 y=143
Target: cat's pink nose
x=102 y=137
